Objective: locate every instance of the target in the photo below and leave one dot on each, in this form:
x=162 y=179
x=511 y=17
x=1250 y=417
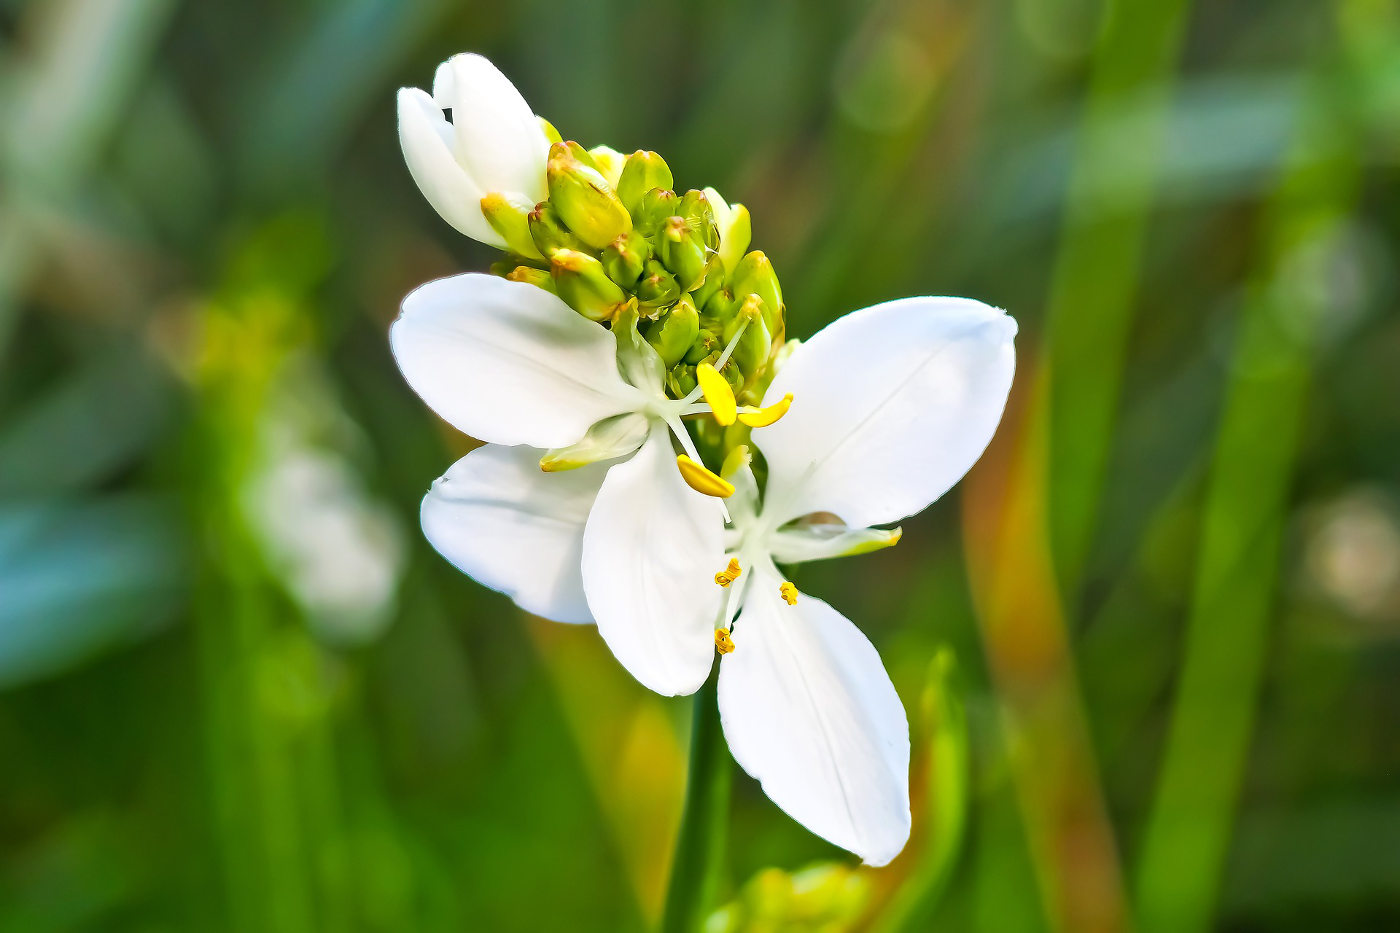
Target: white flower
x=512 y=365
x=494 y=144
x=895 y=403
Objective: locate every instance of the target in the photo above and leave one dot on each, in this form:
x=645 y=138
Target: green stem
x=699 y=856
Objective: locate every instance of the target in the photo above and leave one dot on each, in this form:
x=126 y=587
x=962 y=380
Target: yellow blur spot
x=766 y=416
x=789 y=593
x=729 y=574
x=702 y=480
x=717 y=393
x=724 y=644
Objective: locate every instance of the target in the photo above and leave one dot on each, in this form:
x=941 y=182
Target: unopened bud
x=656 y=205
x=658 y=287
x=548 y=232
x=581 y=154
x=712 y=283
x=550 y=133
x=609 y=163
x=584 y=199
x=681 y=381
x=754 y=275
x=700 y=217
x=755 y=343
x=624 y=258
x=706 y=346
x=673 y=334
x=682 y=250
x=512 y=222
x=582 y=283
x=643 y=172
x=532 y=276
x=721 y=307
x=735 y=228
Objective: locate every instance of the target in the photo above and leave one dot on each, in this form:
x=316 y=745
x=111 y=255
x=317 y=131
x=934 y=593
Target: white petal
x=499 y=139
x=507 y=362
x=891 y=406
x=650 y=555
x=426 y=140
x=497 y=518
x=809 y=711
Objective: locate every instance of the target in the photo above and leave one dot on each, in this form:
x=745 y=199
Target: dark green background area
x=238 y=691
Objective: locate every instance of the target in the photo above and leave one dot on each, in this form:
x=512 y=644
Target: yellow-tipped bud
x=584 y=199
x=584 y=286
x=512 y=222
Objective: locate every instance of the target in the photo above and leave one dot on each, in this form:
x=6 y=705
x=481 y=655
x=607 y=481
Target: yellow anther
x=789 y=593
x=729 y=574
x=766 y=416
x=718 y=395
x=724 y=644
x=700 y=479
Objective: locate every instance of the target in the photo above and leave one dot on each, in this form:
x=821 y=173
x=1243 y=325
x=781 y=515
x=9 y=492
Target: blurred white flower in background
x=338 y=550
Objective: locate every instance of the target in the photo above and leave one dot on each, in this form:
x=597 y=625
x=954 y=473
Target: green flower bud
x=656 y=205
x=707 y=345
x=755 y=343
x=550 y=133
x=721 y=307
x=584 y=199
x=512 y=222
x=643 y=172
x=673 y=334
x=754 y=275
x=609 y=163
x=712 y=283
x=700 y=216
x=532 y=276
x=624 y=258
x=682 y=250
x=582 y=283
x=680 y=381
x=549 y=233
x=735 y=228
x=581 y=154
x=658 y=287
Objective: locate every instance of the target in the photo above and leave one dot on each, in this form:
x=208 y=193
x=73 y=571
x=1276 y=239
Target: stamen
x=702 y=480
x=762 y=417
x=733 y=342
x=724 y=644
x=717 y=393
x=729 y=574
x=789 y=593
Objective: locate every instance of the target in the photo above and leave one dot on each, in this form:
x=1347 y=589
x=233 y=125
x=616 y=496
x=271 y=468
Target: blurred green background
x=239 y=692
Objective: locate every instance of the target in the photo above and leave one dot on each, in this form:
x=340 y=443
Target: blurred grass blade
x=1192 y=817
x=1097 y=271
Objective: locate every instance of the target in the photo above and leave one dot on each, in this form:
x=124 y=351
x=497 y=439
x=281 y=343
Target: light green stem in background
x=1193 y=815
x=1094 y=290
x=700 y=843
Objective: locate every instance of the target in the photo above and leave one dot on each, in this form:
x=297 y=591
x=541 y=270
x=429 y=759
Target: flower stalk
x=700 y=843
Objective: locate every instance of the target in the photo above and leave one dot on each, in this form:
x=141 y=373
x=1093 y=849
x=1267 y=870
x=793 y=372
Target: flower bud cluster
x=614 y=234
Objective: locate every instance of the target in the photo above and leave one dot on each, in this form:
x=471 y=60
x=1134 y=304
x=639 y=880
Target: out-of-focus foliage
x=238 y=691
